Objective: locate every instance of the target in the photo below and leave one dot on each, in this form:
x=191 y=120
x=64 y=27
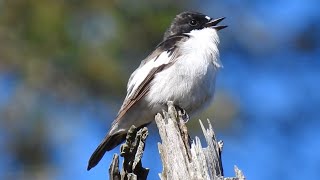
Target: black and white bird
x=182 y=69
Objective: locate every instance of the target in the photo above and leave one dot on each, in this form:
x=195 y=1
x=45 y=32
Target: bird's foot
x=183 y=114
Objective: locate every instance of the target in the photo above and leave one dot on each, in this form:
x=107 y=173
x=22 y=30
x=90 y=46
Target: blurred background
x=64 y=66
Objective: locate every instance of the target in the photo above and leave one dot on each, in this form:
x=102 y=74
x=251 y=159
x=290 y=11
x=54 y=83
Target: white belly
x=188 y=86
x=190 y=81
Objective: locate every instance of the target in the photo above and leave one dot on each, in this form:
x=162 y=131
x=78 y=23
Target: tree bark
x=131 y=151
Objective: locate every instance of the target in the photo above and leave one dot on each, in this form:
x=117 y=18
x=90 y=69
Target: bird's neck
x=204 y=42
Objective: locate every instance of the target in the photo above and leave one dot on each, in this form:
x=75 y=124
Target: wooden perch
x=180 y=160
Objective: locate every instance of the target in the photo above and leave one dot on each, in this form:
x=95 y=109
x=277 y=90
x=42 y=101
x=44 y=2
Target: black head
x=188 y=21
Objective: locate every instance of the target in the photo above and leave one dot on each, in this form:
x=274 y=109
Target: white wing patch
x=141 y=73
x=207 y=17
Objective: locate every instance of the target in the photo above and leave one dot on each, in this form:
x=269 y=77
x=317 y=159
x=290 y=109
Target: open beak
x=214 y=24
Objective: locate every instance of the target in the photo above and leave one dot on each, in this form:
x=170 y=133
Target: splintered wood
x=179 y=160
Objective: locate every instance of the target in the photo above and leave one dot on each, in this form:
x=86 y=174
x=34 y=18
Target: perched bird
x=182 y=69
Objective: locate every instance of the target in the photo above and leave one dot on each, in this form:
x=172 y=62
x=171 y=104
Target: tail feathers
x=108 y=143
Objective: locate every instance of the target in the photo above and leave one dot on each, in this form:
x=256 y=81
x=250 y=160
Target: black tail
x=108 y=143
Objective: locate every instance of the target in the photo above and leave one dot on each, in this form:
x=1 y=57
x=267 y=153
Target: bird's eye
x=193 y=22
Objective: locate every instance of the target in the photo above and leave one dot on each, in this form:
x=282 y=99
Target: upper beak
x=214 y=24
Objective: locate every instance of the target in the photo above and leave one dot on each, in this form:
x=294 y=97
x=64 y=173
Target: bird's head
x=186 y=22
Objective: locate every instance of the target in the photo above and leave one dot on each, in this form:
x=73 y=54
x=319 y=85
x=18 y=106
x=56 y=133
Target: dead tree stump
x=182 y=161
x=181 y=157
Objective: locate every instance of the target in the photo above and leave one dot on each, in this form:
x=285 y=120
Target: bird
x=182 y=69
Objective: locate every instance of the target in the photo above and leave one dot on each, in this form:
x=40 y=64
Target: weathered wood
x=182 y=162
x=181 y=158
x=131 y=151
x=114 y=173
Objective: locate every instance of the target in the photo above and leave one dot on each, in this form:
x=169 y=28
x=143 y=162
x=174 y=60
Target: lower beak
x=214 y=24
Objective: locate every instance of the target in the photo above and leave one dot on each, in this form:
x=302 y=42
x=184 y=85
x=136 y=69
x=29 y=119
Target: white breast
x=190 y=81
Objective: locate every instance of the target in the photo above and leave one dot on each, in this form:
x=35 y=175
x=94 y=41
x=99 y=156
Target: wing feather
x=139 y=82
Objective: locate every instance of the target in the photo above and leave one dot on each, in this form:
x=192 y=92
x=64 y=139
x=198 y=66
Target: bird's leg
x=183 y=118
